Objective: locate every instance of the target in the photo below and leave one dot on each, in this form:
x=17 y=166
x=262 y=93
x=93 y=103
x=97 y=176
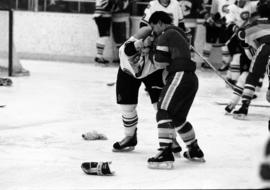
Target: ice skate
x=176 y=148
x=242 y=112
x=229 y=108
x=101 y=60
x=163 y=160
x=194 y=152
x=127 y=144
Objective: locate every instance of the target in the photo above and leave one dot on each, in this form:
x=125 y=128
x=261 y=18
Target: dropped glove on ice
x=97 y=168
x=94 y=135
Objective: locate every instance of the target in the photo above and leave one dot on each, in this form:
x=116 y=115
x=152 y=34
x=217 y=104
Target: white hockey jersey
x=174 y=9
x=238 y=15
x=221 y=7
x=139 y=65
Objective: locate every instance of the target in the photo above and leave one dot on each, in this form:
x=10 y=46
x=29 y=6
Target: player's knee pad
x=129 y=118
x=242 y=79
x=120 y=28
x=128 y=109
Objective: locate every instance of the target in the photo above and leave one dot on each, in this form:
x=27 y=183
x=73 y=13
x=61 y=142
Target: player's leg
x=103 y=25
x=127 y=88
x=224 y=35
x=258 y=68
x=179 y=107
x=209 y=40
x=154 y=84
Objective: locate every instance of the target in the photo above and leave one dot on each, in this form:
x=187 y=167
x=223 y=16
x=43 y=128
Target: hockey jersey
x=221 y=7
x=173 y=49
x=173 y=9
x=139 y=65
x=238 y=15
x=258 y=30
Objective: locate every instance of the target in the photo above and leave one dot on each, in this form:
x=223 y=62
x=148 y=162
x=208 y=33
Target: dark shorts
x=127 y=87
x=177 y=96
x=216 y=34
x=103 y=25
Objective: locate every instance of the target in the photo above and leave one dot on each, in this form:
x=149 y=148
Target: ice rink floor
x=46 y=113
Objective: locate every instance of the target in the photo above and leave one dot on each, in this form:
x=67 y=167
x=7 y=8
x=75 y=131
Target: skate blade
x=161 y=165
x=197 y=159
x=127 y=149
x=239 y=116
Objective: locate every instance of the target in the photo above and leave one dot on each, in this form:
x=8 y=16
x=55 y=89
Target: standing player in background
x=120 y=25
x=169 y=6
x=173 y=51
x=240 y=14
x=257 y=35
x=137 y=67
x=216 y=31
x=103 y=19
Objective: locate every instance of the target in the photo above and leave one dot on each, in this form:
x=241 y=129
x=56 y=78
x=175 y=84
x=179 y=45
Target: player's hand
x=268 y=95
x=138 y=44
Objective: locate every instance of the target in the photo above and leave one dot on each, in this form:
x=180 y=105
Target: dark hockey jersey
x=173 y=48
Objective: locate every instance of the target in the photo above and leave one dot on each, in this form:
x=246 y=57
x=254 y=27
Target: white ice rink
x=41 y=145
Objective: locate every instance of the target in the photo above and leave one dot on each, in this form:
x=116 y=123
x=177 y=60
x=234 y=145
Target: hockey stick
x=214 y=69
x=252 y=104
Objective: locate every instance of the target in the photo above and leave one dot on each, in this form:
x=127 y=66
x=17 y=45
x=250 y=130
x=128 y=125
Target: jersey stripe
x=171 y=90
x=163 y=48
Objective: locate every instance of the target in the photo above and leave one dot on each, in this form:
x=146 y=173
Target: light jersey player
x=257 y=36
x=239 y=15
x=172 y=7
x=136 y=67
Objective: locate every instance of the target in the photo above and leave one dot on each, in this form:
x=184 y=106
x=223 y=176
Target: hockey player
x=171 y=7
x=216 y=31
x=239 y=14
x=177 y=95
x=103 y=19
x=258 y=36
x=136 y=67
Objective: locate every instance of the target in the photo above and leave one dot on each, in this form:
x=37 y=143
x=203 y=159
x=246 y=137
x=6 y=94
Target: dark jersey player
x=178 y=93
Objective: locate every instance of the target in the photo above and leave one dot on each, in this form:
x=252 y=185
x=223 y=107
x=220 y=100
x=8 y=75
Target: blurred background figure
x=120 y=25
x=103 y=19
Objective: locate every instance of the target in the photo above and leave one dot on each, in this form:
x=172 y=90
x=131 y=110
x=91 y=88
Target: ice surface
x=41 y=145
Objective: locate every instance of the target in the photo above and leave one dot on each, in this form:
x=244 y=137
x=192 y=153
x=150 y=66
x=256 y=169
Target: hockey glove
x=93 y=135
x=97 y=168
